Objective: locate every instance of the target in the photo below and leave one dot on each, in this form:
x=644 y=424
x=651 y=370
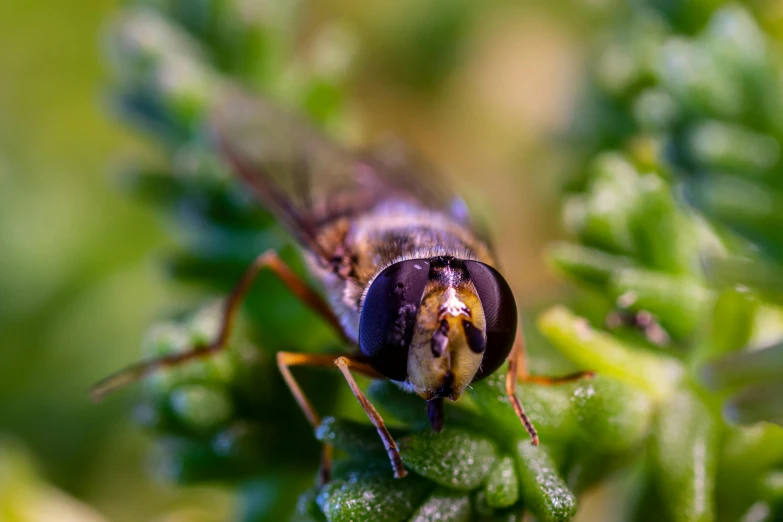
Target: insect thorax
x=361 y=248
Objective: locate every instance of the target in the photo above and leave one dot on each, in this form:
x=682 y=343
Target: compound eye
x=500 y=310
x=388 y=316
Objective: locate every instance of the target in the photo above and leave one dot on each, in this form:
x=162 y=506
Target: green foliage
x=545 y=492
x=609 y=355
x=676 y=222
x=719 y=148
x=373 y=495
x=502 y=488
x=444 y=505
x=684 y=453
x=455 y=459
x=651 y=317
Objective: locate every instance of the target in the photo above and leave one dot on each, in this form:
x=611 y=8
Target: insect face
x=437 y=324
x=449 y=340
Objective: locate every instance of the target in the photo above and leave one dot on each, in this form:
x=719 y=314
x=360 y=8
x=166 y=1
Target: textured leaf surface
x=444 y=506
x=547 y=406
x=455 y=458
x=609 y=415
x=350 y=436
x=502 y=488
x=372 y=497
x=544 y=491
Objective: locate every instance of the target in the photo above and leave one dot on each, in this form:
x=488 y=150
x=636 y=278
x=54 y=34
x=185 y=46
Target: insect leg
x=525 y=376
x=560 y=379
x=345 y=364
x=268 y=260
x=517 y=364
x=284 y=362
x=517 y=371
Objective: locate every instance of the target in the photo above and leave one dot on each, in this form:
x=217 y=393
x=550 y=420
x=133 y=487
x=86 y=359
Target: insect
x=405 y=277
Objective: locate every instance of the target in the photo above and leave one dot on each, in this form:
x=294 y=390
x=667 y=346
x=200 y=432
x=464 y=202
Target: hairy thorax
x=360 y=248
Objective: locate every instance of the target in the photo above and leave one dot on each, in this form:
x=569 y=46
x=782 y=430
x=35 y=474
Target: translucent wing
x=308 y=181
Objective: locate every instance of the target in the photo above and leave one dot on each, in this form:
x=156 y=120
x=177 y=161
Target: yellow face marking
x=446 y=374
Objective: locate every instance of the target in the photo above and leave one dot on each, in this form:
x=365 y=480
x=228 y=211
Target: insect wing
x=307 y=180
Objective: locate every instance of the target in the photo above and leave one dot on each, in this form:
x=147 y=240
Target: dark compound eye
x=389 y=316
x=500 y=310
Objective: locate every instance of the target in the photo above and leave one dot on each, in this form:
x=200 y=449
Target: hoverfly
x=408 y=282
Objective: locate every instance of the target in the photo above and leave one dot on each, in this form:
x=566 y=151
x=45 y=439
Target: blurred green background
x=511 y=101
x=79 y=282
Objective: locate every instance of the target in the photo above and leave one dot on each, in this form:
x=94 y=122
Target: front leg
x=516 y=364
x=517 y=371
x=286 y=359
x=266 y=261
x=345 y=364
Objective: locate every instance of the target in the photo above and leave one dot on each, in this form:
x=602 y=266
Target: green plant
x=701 y=113
x=685 y=138
x=637 y=252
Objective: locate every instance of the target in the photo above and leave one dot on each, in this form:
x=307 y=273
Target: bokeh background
x=490 y=93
